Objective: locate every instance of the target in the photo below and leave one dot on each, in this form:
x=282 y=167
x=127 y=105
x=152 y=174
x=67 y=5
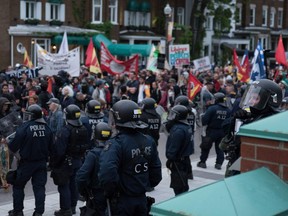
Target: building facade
x=24 y=23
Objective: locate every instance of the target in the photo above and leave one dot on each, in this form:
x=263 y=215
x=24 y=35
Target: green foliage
x=226 y=55
x=78 y=10
x=56 y=23
x=186 y=36
x=32 y=21
x=104 y=27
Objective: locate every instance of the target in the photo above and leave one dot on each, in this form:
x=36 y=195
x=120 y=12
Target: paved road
x=6 y=196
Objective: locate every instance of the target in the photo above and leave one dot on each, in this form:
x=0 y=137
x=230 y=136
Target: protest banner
x=179 y=55
x=53 y=63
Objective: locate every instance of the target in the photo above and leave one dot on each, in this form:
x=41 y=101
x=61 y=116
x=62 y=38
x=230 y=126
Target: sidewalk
x=162 y=191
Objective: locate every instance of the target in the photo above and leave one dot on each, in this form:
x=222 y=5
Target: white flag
x=63 y=50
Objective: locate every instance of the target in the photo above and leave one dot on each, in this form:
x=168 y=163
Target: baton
x=178 y=171
x=108 y=207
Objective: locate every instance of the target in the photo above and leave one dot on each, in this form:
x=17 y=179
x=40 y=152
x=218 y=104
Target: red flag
x=114 y=66
x=50 y=83
x=280 y=53
x=91 y=59
x=243 y=73
x=194 y=86
x=27 y=61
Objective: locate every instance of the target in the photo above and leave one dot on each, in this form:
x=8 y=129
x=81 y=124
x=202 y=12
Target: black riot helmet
x=33 y=112
x=178 y=113
x=182 y=100
x=102 y=131
x=148 y=104
x=126 y=114
x=219 y=97
x=261 y=95
x=93 y=109
x=73 y=113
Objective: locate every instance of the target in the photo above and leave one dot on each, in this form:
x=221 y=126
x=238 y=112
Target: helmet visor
x=171 y=116
x=111 y=120
x=256 y=97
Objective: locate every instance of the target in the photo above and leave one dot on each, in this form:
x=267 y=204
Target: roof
x=45 y=29
x=273 y=127
x=259 y=193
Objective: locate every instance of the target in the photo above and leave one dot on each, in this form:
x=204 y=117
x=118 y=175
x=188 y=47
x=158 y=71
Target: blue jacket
x=178 y=143
x=33 y=140
x=130 y=163
x=214 y=116
x=90 y=124
x=87 y=175
x=60 y=149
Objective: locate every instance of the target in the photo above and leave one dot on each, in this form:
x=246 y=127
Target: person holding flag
x=243 y=69
x=258 y=69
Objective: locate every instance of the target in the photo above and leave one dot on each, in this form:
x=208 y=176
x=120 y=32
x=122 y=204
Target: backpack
x=78 y=141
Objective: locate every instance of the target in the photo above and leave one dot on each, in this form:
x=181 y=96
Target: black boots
x=15 y=213
x=63 y=212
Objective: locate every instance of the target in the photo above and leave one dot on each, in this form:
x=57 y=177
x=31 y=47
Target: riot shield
x=9 y=123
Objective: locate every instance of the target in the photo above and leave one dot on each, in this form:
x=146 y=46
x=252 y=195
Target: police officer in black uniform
x=87 y=176
x=213 y=118
x=71 y=144
x=178 y=148
x=261 y=99
x=184 y=100
x=33 y=141
x=130 y=163
x=151 y=118
x=92 y=118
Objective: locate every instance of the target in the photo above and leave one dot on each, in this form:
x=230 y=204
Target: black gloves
x=169 y=164
x=242 y=114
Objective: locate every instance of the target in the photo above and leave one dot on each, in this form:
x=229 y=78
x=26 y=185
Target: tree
x=220 y=9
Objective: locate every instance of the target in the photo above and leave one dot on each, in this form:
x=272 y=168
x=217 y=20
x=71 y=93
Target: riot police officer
x=71 y=144
x=184 y=100
x=151 y=118
x=261 y=99
x=213 y=118
x=130 y=163
x=87 y=176
x=92 y=118
x=178 y=148
x=33 y=141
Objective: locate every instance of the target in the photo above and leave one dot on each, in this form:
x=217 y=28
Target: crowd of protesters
x=55 y=93
x=163 y=86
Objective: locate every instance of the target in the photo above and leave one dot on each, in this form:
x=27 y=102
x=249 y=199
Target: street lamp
x=167 y=12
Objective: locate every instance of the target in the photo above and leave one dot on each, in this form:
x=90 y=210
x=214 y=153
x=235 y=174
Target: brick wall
x=258 y=152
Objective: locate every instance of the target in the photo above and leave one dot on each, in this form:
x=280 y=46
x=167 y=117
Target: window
x=97 y=11
x=238 y=14
x=113 y=10
x=272 y=17
x=30 y=10
x=208 y=21
x=180 y=15
x=280 y=17
x=252 y=14
x=264 y=15
x=55 y=11
x=264 y=42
